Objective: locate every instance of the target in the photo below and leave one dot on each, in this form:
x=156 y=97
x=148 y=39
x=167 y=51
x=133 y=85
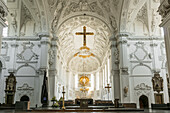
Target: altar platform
x=90 y=109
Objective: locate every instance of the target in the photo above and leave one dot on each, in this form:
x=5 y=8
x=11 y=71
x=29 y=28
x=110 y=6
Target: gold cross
x=108 y=87
x=84 y=33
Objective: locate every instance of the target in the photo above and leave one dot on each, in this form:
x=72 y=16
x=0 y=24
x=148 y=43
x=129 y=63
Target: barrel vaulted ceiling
x=63 y=18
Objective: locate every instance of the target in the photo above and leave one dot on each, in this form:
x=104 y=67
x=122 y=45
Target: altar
x=84 y=103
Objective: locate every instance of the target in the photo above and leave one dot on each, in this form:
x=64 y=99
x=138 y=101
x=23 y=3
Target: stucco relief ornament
x=125 y=91
x=14 y=22
x=157 y=82
x=105 y=4
x=113 y=24
x=83 y=5
x=164 y=8
x=27 y=53
x=142 y=88
x=59 y=8
x=25 y=89
x=51 y=58
x=2 y=13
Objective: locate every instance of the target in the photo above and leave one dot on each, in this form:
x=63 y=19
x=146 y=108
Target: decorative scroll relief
x=25 y=89
x=3 y=11
x=27 y=53
x=164 y=8
x=162 y=56
x=4 y=48
x=83 y=5
x=142 y=89
x=142 y=14
x=51 y=53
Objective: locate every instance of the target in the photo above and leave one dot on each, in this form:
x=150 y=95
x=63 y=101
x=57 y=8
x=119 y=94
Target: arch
x=143 y=101
x=143 y=67
x=26 y=66
x=24 y=98
x=79 y=14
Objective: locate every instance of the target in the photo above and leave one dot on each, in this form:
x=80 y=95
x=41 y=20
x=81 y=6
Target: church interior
x=83 y=54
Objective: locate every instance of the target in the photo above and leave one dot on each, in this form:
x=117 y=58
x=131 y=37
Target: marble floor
x=145 y=111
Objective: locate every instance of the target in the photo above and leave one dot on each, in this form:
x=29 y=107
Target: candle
x=63 y=88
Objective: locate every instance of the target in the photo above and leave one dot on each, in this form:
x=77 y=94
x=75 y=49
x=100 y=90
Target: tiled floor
x=145 y=111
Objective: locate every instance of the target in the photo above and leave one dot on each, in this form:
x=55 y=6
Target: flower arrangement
x=55 y=102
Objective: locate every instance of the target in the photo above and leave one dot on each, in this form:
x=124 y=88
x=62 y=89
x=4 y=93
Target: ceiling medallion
x=84 y=51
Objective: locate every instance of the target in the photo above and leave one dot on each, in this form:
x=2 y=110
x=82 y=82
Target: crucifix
x=84 y=33
x=108 y=87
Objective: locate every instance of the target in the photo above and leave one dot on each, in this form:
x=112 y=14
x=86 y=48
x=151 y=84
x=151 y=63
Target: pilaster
x=45 y=45
x=164 y=11
x=115 y=68
x=123 y=66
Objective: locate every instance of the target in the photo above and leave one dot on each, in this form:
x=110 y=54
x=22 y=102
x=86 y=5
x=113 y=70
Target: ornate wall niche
x=25 y=89
x=143 y=89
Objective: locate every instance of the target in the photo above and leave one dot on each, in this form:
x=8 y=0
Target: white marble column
x=165 y=13
x=104 y=77
x=45 y=45
x=67 y=84
x=123 y=66
x=115 y=69
x=73 y=87
x=12 y=66
x=100 y=83
x=95 y=95
x=53 y=68
x=106 y=69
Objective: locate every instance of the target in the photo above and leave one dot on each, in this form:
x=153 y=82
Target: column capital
x=112 y=38
x=124 y=71
x=123 y=34
x=123 y=38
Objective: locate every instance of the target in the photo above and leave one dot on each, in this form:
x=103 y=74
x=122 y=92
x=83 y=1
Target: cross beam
x=108 y=87
x=84 y=33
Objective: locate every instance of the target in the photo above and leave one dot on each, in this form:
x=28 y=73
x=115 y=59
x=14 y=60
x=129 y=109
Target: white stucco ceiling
x=69 y=43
